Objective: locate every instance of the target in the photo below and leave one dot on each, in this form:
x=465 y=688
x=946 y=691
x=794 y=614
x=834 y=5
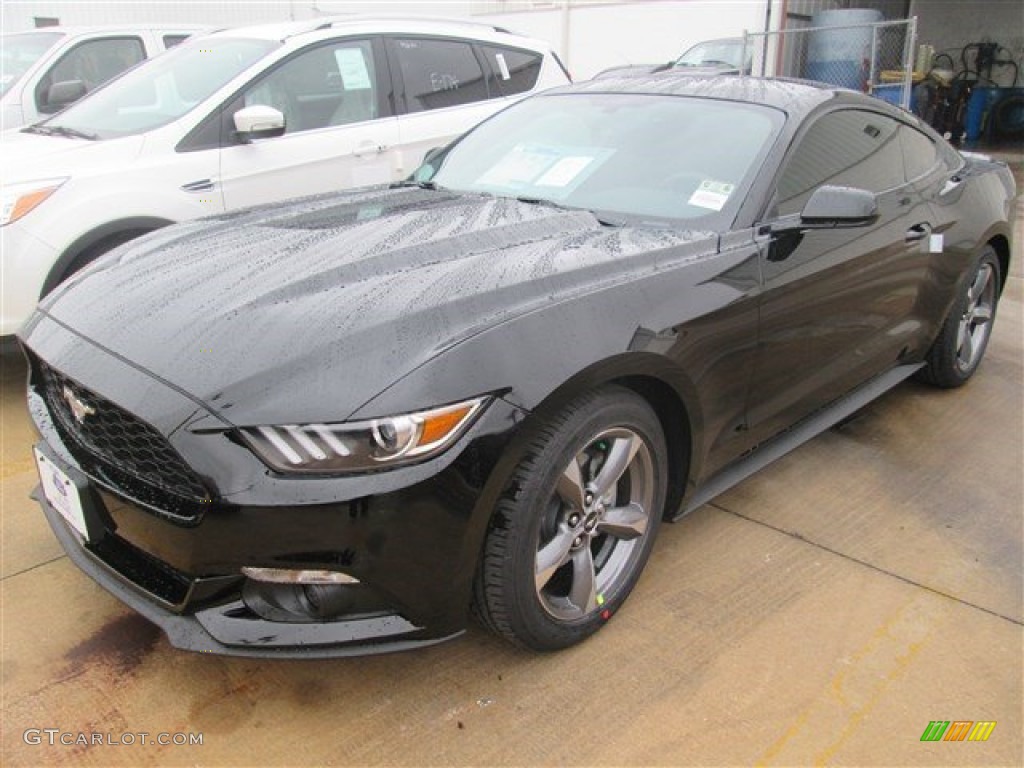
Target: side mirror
x=430 y=165
x=834 y=207
x=258 y=122
x=59 y=95
x=829 y=207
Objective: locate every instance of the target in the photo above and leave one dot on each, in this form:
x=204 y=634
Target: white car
x=244 y=117
x=44 y=70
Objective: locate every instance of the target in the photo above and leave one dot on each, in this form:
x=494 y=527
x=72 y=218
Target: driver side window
x=326 y=86
x=93 y=63
x=848 y=148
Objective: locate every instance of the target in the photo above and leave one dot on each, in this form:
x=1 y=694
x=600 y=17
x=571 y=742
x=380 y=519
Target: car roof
x=794 y=97
x=358 y=22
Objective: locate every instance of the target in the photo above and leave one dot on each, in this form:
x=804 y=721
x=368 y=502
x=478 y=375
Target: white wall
x=17 y=15
x=591 y=36
x=608 y=34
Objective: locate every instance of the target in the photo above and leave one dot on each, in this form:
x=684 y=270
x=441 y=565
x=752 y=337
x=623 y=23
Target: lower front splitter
x=230 y=629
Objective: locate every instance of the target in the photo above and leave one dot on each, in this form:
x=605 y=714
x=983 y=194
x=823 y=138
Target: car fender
x=542 y=359
x=110 y=230
x=640 y=370
x=92 y=208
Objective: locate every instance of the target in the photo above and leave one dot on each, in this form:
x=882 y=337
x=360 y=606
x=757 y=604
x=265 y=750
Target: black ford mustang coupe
x=330 y=426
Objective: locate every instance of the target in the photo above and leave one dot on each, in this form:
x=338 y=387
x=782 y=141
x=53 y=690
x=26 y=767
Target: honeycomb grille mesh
x=130 y=450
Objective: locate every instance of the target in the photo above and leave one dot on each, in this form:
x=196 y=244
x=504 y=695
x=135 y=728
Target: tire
x=957 y=352
x=560 y=557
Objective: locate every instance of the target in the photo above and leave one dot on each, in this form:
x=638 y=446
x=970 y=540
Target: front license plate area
x=61 y=492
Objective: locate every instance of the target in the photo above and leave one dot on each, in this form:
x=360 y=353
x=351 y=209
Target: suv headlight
x=362 y=446
x=16 y=200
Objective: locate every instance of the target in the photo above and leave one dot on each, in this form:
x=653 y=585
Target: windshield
x=714 y=53
x=19 y=52
x=160 y=90
x=639 y=157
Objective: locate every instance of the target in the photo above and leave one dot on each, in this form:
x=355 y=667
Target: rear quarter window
x=920 y=154
x=512 y=70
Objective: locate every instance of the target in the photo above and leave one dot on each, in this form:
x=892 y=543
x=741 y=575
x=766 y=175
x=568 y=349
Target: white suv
x=44 y=70
x=243 y=117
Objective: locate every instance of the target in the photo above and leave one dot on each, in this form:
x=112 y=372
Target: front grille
x=124 y=451
x=154 y=576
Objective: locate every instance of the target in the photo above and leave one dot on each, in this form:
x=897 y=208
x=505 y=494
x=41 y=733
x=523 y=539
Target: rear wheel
x=956 y=353
x=570 y=538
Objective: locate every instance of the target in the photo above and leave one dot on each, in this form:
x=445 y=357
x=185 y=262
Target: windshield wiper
x=602 y=219
x=431 y=185
x=60 y=130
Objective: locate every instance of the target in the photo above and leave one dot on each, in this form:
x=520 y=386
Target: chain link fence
x=875 y=58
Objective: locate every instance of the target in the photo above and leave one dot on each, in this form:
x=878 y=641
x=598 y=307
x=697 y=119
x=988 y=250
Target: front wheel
x=956 y=353
x=569 y=539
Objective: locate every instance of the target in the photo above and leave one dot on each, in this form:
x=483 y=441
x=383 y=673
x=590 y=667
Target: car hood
x=305 y=311
x=31 y=156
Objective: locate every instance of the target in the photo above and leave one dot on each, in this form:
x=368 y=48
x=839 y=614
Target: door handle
x=368 y=148
x=918 y=232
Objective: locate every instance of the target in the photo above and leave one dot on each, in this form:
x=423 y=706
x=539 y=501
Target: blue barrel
x=837 y=54
x=978 y=108
x=893 y=93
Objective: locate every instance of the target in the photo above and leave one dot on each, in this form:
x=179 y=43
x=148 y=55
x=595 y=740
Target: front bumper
x=409 y=538
x=229 y=629
x=27 y=260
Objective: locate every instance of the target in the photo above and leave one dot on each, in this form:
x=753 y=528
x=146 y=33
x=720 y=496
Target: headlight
x=16 y=200
x=363 y=445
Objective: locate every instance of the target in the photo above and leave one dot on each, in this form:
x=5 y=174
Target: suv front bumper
x=27 y=261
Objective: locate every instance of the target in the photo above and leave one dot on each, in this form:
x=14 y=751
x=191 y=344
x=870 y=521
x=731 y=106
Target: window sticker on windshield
x=558 y=170
x=563 y=172
x=520 y=166
x=352 y=65
x=712 y=194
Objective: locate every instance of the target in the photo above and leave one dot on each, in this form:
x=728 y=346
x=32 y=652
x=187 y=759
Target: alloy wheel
x=595 y=525
x=976 y=321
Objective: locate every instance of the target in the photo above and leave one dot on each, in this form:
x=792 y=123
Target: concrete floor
x=823 y=612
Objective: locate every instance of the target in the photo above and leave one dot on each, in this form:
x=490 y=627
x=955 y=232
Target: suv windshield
x=160 y=90
x=639 y=157
x=714 y=53
x=21 y=51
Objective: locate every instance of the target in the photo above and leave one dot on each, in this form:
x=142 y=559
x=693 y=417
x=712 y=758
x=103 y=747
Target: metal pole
x=565 y=34
x=908 y=63
x=874 y=55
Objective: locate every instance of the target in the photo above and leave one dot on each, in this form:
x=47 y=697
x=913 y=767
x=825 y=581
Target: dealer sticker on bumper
x=61 y=493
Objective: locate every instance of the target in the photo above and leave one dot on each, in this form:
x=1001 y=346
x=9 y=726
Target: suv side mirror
x=258 y=122
x=59 y=95
x=430 y=164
